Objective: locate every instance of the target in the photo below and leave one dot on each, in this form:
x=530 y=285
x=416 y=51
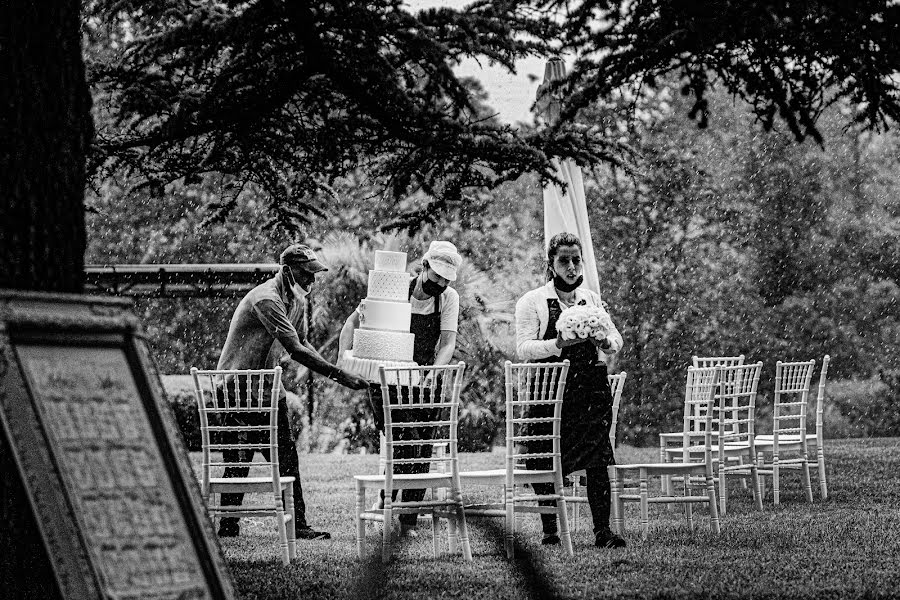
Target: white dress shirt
x=533 y=316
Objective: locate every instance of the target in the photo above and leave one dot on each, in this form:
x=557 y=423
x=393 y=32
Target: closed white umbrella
x=565 y=210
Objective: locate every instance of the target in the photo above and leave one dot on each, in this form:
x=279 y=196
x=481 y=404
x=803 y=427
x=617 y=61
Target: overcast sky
x=511 y=95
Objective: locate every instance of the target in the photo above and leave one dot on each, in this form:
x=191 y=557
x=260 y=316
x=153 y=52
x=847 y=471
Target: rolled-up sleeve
x=528 y=328
x=274 y=318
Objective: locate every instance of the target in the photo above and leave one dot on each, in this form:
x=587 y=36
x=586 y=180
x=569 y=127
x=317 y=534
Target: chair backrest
x=820 y=401
x=701 y=362
x=717 y=361
x=249 y=400
x=792 y=380
x=616 y=382
x=417 y=399
x=534 y=395
x=736 y=402
x=699 y=407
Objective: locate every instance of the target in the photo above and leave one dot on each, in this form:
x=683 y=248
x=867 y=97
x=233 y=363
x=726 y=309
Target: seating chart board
x=110 y=484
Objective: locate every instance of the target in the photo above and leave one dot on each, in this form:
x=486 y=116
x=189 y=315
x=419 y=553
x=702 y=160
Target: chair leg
x=645 y=504
x=823 y=484
x=360 y=522
x=563 y=517
x=776 y=480
x=288 y=496
x=760 y=463
x=756 y=482
x=615 y=509
x=807 y=482
x=713 y=508
x=463 y=528
x=282 y=529
x=688 y=506
x=435 y=545
x=576 y=506
x=452 y=536
x=510 y=534
x=723 y=491
x=386 y=529
x=665 y=482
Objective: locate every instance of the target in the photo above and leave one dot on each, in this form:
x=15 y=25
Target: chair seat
x=249 y=481
x=498 y=476
x=407 y=480
x=729 y=447
x=790 y=438
x=664 y=468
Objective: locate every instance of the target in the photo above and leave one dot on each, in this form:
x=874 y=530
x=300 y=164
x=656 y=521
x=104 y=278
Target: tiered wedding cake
x=383 y=337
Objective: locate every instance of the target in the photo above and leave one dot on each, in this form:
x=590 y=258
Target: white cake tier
x=389 y=285
x=383 y=345
x=368 y=368
x=385 y=316
x=386 y=260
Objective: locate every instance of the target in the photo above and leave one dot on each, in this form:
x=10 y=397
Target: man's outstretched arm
x=276 y=322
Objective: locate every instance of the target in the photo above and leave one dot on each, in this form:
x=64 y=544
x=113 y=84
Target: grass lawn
x=845 y=547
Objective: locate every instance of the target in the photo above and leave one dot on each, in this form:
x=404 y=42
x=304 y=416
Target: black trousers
x=376 y=402
x=598 y=495
x=288 y=462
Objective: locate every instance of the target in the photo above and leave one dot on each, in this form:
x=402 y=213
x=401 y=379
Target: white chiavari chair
x=534 y=394
x=421 y=408
x=787 y=446
x=239 y=416
x=674 y=438
x=733 y=431
x=699 y=406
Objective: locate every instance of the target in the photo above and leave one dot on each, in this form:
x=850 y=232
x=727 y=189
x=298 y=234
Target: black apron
x=427 y=329
x=587 y=403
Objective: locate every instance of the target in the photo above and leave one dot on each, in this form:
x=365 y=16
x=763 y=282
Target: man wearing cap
x=435 y=317
x=273 y=312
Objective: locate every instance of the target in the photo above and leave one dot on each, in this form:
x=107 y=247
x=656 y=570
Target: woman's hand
x=562 y=343
x=602 y=343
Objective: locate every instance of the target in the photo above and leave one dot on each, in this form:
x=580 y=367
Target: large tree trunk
x=45 y=130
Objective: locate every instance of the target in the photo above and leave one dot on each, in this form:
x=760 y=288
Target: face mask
x=301 y=287
x=433 y=289
x=560 y=283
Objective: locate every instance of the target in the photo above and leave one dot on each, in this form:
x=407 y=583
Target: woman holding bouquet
x=586 y=336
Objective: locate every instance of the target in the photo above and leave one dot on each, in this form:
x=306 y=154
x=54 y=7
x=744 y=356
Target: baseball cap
x=302 y=256
x=443 y=258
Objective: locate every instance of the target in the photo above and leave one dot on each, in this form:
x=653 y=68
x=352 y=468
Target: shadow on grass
x=528 y=569
x=372 y=578
x=374 y=575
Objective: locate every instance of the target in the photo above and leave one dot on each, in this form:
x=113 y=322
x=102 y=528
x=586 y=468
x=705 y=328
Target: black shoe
x=229 y=528
x=608 y=539
x=308 y=533
x=550 y=540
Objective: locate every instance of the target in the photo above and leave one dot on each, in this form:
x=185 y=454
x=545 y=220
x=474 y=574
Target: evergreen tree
x=291 y=95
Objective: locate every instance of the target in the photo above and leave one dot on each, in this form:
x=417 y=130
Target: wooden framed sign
x=93 y=446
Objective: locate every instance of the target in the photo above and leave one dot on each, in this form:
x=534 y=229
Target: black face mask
x=433 y=289
x=560 y=283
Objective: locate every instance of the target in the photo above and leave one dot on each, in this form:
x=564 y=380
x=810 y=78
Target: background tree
x=290 y=97
x=46 y=129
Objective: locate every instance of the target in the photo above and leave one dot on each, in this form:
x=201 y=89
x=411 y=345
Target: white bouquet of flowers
x=583 y=321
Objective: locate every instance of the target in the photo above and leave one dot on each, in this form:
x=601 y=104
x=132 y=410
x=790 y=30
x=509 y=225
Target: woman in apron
x=434 y=322
x=587 y=401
